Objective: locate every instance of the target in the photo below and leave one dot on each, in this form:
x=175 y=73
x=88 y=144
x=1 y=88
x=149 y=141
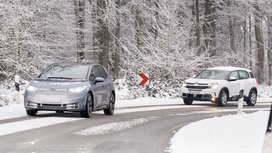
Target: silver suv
x=219 y=85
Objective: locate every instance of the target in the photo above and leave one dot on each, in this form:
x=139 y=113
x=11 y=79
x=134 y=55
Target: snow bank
x=264 y=93
x=228 y=134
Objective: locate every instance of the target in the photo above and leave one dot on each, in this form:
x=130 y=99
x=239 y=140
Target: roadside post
x=17 y=88
x=241 y=98
x=269 y=125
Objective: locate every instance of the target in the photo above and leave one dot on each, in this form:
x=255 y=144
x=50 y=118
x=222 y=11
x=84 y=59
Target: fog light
x=71 y=106
x=33 y=105
x=213 y=99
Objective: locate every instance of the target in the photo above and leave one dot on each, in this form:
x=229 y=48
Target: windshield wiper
x=58 y=78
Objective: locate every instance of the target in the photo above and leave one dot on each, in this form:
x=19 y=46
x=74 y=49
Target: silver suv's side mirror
x=98 y=79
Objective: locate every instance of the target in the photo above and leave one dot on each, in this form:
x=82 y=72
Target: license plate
x=194 y=92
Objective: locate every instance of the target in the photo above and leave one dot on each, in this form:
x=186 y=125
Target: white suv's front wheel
x=188 y=101
x=223 y=98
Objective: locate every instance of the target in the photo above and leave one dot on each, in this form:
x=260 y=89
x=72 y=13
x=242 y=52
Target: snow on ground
x=243 y=132
x=228 y=134
x=19 y=126
x=13 y=111
x=268 y=143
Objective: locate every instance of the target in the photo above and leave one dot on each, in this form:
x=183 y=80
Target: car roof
x=228 y=68
x=72 y=63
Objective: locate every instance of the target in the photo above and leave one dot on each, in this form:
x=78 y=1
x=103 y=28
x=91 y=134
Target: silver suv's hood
x=55 y=84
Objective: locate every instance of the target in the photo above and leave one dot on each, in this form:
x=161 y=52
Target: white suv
x=219 y=85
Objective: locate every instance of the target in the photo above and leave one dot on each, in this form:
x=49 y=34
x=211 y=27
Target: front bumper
x=200 y=95
x=54 y=101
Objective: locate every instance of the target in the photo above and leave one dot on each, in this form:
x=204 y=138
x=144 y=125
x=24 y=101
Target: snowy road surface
x=142 y=127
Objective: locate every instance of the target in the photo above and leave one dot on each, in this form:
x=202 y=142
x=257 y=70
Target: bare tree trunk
x=250 y=41
x=206 y=24
x=157 y=18
x=197 y=27
x=260 y=42
x=105 y=46
x=101 y=33
x=245 y=39
x=117 y=41
x=231 y=29
x=231 y=34
x=209 y=27
x=80 y=13
x=139 y=29
x=270 y=48
x=192 y=30
x=96 y=34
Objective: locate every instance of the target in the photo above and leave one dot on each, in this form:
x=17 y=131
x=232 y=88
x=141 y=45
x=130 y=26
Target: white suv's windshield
x=213 y=74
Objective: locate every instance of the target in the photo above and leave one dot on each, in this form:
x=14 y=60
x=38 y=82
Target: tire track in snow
x=114 y=126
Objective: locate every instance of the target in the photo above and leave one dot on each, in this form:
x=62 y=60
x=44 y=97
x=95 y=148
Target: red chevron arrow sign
x=143 y=79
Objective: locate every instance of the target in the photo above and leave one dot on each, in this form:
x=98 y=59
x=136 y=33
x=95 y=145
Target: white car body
x=209 y=89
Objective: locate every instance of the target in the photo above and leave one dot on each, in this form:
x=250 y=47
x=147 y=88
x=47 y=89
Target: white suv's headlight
x=214 y=85
x=77 y=89
x=184 y=84
x=31 y=88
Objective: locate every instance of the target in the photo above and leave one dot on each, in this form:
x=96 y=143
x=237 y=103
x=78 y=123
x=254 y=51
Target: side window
x=99 y=71
x=243 y=75
x=93 y=73
x=234 y=74
x=102 y=71
x=251 y=75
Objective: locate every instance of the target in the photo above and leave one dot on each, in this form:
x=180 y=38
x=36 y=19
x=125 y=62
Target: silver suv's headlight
x=77 y=89
x=213 y=85
x=31 y=88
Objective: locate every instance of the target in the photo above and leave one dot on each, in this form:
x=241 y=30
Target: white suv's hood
x=202 y=81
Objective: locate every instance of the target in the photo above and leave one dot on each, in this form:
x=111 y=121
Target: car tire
x=31 y=112
x=188 y=101
x=252 y=98
x=111 y=107
x=88 y=107
x=223 y=98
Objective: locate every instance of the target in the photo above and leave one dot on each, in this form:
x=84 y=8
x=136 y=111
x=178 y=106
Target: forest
x=170 y=39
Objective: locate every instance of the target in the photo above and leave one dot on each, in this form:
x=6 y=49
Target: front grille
x=198 y=96
x=197 y=87
x=53 y=106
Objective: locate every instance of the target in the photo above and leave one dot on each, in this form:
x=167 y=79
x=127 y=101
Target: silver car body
x=65 y=94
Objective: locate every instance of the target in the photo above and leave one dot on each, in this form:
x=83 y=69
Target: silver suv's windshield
x=213 y=74
x=65 y=71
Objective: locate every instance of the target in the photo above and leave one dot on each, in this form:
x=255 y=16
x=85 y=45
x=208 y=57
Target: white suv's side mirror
x=232 y=79
x=193 y=76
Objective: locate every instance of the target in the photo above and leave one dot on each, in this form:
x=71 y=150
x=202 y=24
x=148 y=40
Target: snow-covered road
x=141 y=116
